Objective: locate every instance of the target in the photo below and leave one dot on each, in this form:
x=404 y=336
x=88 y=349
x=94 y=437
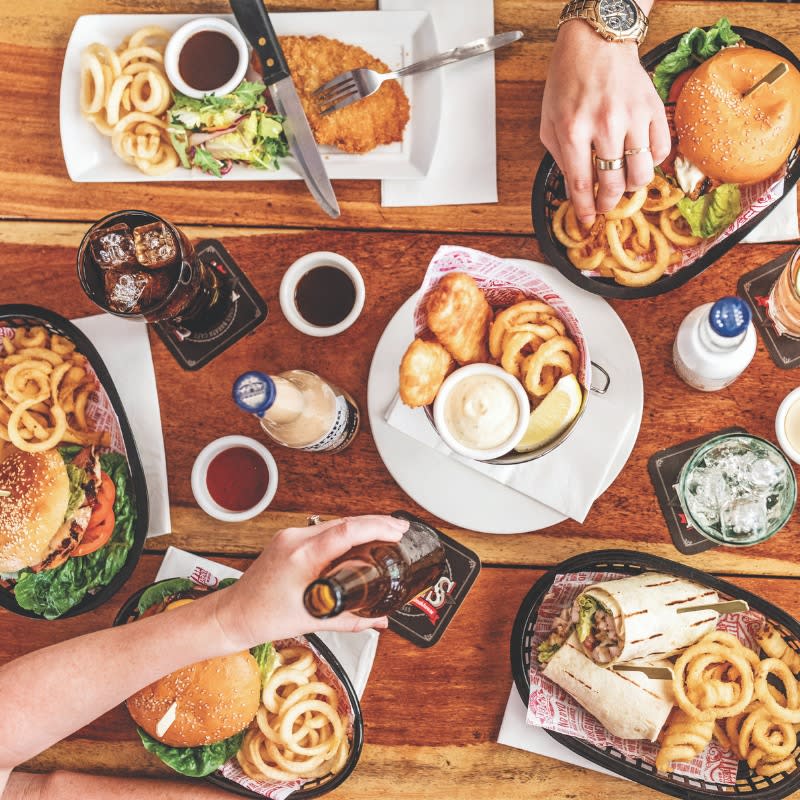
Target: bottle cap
x=254 y=392
x=729 y=317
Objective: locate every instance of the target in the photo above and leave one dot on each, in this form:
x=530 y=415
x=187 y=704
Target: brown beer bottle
x=377 y=578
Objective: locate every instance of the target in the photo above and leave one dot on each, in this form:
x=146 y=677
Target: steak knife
x=256 y=26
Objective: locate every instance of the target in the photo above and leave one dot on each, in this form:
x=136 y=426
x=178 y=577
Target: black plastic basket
x=683 y=786
x=548 y=191
x=18 y=315
x=317 y=786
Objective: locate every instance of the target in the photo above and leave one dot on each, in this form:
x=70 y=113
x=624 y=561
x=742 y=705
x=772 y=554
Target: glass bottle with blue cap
x=714 y=345
x=299 y=409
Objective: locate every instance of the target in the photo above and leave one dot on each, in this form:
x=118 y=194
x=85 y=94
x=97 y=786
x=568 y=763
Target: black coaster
x=755 y=287
x=664 y=468
x=424 y=619
x=246 y=310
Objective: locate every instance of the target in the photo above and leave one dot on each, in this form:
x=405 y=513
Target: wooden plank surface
x=35 y=184
x=38 y=262
x=444 y=746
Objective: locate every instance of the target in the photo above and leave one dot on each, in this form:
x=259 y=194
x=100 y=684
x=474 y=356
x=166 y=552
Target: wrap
x=629 y=705
x=646 y=622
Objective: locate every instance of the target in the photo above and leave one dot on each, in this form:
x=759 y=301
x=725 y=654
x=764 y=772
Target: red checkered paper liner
x=755 y=198
x=280 y=790
x=100 y=413
x=501 y=281
x=550 y=707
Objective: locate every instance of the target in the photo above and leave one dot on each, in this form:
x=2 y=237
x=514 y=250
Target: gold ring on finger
x=609 y=163
x=633 y=151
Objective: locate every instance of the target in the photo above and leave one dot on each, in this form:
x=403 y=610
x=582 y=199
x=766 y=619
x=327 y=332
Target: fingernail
x=587 y=221
x=399 y=524
x=381 y=624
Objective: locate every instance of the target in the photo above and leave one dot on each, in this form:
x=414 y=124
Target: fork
x=356 y=84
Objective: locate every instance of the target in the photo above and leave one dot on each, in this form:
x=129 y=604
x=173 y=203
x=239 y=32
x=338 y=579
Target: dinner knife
x=256 y=26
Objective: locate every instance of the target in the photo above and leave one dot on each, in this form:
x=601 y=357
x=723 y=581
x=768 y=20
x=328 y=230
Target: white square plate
x=395 y=37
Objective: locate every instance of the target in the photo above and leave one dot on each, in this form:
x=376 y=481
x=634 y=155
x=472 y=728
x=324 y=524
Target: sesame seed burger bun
x=35 y=509
x=215 y=699
x=735 y=139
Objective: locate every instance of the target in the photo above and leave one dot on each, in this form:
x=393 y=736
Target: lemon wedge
x=553 y=415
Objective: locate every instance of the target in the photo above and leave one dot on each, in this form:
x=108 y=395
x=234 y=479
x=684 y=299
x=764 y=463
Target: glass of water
x=737 y=489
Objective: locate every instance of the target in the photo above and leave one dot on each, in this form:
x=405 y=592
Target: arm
x=598 y=95
x=265 y=604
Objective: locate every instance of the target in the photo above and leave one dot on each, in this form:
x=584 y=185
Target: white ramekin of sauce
x=481 y=411
x=322 y=294
x=787 y=425
x=206 y=56
x=234 y=478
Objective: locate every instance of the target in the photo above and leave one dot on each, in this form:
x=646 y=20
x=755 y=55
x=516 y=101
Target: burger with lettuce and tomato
x=723 y=139
x=66 y=525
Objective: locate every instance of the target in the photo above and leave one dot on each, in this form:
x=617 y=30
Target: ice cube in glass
x=155 y=245
x=113 y=248
x=135 y=291
x=744 y=519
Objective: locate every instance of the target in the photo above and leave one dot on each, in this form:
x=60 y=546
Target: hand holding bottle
x=267 y=601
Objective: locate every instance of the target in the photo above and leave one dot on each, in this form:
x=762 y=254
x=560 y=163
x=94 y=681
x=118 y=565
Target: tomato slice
x=96 y=535
x=107 y=489
x=678 y=84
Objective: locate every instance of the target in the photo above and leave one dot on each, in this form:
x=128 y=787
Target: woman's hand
x=266 y=603
x=598 y=96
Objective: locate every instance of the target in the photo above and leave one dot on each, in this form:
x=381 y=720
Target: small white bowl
x=439 y=405
x=183 y=34
x=780 y=424
x=291 y=278
x=200 y=470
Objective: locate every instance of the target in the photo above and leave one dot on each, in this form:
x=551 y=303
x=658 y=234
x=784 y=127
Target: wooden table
x=444 y=745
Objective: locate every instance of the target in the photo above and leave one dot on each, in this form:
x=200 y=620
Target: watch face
x=618 y=15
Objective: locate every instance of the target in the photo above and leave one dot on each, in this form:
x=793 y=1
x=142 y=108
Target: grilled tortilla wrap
x=629 y=705
x=646 y=623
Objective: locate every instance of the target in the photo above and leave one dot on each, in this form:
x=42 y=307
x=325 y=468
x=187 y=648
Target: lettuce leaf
x=267 y=659
x=159 y=591
x=587 y=607
x=77 y=477
x=710 y=214
x=694 y=47
x=53 y=592
x=546 y=650
x=195 y=762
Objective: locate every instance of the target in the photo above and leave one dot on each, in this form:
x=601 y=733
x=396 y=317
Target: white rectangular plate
x=395 y=37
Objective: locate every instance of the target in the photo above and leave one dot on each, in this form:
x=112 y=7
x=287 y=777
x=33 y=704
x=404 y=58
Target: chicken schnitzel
x=362 y=126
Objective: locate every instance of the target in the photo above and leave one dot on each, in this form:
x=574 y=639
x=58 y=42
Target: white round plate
x=460 y=495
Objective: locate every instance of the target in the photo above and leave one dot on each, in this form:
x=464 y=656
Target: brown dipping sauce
x=208 y=60
x=237 y=478
x=324 y=296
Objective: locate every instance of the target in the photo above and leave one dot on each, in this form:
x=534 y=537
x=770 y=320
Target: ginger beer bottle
x=377 y=578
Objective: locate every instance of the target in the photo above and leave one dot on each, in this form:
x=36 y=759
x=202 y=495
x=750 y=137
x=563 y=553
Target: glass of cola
x=134 y=264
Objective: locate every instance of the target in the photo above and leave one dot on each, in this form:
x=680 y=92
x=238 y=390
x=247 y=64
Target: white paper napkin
x=570 y=478
x=780 y=225
x=125 y=349
x=514 y=732
x=355 y=651
x=467 y=123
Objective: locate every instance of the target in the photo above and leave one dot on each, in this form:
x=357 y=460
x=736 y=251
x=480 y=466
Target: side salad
x=214 y=132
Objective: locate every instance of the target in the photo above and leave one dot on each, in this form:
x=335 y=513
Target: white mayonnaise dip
x=481 y=412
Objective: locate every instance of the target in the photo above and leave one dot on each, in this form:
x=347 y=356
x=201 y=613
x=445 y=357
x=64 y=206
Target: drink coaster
x=424 y=619
x=755 y=286
x=242 y=310
x=664 y=468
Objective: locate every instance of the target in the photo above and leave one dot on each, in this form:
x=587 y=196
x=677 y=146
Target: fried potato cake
x=362 y=126
x=424 y=367
x=459 y=316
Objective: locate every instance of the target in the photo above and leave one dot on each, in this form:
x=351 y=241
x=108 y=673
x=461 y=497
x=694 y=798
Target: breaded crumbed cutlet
x=362 y=126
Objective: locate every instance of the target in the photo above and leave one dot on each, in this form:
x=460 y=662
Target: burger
x=194 y=719
x=723 y=139
x=66 y=525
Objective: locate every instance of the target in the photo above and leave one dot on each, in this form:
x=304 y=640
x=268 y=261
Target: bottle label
x=343 y=430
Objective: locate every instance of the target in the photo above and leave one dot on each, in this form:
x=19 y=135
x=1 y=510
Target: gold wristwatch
x=614 y=20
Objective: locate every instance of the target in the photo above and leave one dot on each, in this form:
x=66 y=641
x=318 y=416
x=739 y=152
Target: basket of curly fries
x=662 y=235
x=476 y=309
x=645 y=667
